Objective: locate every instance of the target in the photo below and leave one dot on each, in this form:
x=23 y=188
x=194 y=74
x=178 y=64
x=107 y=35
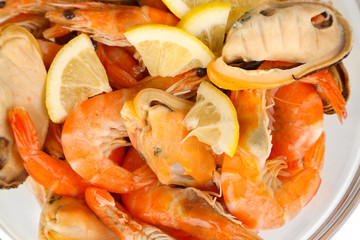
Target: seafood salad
x=149 y=119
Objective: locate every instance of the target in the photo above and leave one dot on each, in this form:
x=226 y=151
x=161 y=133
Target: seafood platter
x=178 y=119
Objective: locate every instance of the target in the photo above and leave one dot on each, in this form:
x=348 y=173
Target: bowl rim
x=342 y=211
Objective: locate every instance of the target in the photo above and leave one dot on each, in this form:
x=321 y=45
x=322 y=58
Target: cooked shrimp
x=11 y=8
x=95 y=128
x=117 y=218
x=90 y=133
x=50 y=172
x=108 y=25
x=122 y=69
x=154 y=123
x=34 y=23
x=323 y=79
x=49 y=50
x=298 y=120
x=182 y=209
x=326 y=82
x=260 y=192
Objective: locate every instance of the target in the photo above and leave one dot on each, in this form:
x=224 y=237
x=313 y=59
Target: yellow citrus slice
x=213 y=120
x=75 y=74
x=208 y=22
x=238 y=7
x=168 y=51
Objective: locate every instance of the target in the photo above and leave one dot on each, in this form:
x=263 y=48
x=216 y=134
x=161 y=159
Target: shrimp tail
x=115 y=216
x=24 y=132
x=332 y=92
x=50 y=172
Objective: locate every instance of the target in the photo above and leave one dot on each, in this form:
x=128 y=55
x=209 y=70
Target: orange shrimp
x=117 y=218
x=34 y=23
x=260 y=192
x=12 y=8
x=182 y=209
x=122 y=69
x=298 y=114
x=49 y=50
x=90 y=133
x=323 y=79
x=50 y=172
x=154 y=123
x=132 y=161
x=109 y=24
x=95 y=128
x=326 y=82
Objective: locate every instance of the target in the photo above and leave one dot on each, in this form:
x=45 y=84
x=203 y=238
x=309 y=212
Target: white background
x=351 y=228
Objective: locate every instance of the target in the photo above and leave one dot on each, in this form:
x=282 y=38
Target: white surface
x=19 y=211
x=350 y=229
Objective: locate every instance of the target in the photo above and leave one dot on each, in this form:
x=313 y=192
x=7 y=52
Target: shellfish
x=22 y=84
x=70 y=218
x=311 y=34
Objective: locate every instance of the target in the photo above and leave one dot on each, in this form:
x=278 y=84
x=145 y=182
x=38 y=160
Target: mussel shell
x=70 y=218
x=270 y=31
x=22 y=84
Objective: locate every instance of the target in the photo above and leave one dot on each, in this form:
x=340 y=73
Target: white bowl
x=337 y=196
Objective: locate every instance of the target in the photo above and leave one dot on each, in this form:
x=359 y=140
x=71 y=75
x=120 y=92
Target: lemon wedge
x=213 y=120
x=75 y=74
x=208 y=23
x=238 y=7
x=168 y=51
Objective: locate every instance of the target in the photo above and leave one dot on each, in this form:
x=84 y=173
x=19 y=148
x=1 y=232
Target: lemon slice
x=208 y=22
x=213 y=120
x=168 y=51
x=238 y=7
x=75 y=74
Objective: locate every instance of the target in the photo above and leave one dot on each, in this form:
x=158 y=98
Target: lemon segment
x=213 y=120
x=238 y=7
x=208 y=23
x=75 y=74
x=168 y=51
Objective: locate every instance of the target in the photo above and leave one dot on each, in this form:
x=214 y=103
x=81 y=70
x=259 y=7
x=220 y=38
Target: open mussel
x=22 y=84
x=310 y=34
